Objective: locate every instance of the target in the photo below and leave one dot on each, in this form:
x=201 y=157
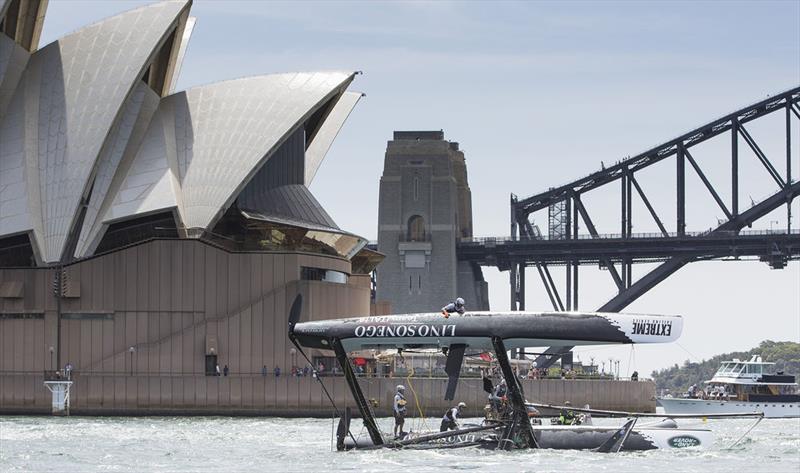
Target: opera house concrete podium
x=150 y=237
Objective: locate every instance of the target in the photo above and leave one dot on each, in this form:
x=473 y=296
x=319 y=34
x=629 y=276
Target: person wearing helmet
x=498 y=396
x=449 y=421
x=399 y=410
x=455 y=306
x=566 y=416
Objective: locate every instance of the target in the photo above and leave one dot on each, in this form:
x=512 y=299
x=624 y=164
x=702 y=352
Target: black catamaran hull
x=565 y=438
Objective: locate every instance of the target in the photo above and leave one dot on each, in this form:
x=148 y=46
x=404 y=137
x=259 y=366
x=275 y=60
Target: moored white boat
x=740 y=387
x=773 y=409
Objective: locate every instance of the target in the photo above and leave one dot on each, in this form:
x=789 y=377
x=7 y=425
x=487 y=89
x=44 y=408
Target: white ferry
x=741 y=386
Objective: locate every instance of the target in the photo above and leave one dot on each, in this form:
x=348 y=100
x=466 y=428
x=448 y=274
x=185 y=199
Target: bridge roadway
x=774 y=247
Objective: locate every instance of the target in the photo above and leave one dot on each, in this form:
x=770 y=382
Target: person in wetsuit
x=450 y=419
x=399 y=410
x=455 y=306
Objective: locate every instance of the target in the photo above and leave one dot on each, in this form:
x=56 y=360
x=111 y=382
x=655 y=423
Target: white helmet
x=459 y=301
x=462 y=405
x=400 y=387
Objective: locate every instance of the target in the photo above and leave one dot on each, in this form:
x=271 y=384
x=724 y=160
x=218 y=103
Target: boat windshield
x=754 y=368
x=735 y=369
x=731 y=369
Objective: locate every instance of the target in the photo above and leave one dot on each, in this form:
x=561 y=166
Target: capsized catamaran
x=495 y=332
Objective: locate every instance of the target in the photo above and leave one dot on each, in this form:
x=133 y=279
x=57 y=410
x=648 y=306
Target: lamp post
x=52 y=351
x=132 y=350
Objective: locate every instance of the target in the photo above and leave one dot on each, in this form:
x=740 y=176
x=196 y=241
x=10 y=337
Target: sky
x=539 y=94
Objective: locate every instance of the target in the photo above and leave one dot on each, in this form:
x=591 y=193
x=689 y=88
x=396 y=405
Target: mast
x=520 y=427
x=361 y=402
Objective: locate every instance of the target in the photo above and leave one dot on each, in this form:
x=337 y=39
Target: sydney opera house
x=148 y=234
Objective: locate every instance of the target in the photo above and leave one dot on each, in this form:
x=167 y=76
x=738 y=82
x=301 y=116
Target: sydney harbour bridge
x=572 y=239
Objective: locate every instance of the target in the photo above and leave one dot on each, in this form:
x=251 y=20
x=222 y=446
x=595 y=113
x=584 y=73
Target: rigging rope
x=315 y=373
x=421 y=423
x=687 y=351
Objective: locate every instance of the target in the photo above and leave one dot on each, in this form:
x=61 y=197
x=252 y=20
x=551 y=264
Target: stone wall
x=290 y=397
x=174 y=302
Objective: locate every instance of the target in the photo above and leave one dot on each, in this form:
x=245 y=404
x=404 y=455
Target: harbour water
x=217 y=444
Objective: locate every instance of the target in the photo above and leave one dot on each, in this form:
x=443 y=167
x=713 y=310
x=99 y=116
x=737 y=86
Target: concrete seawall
x=293 y=397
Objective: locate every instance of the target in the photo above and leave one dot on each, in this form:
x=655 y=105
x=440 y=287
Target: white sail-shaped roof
x=74 y=90
x=236 y=125
x=87 y=138
x=115 y=158
x=23 y=23
x=327 y=132
x=205 y=144
x=13 y=59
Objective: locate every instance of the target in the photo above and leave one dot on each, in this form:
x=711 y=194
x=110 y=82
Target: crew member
x=456 y=306
x=498 y=395
x=399 y=411
x=566 y=416
x=449 y=421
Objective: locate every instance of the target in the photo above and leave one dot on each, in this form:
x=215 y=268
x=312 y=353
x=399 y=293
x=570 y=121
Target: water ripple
x=222 y=444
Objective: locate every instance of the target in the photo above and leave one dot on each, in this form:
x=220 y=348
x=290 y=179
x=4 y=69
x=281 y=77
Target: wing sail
x=474 y=330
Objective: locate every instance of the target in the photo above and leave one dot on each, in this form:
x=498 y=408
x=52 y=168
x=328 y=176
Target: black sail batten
x=294 y=314
x=617 y=439
x=363 y=407
x=520 y=424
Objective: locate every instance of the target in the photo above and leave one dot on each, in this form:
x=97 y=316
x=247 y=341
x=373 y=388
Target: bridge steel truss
x=527 y=247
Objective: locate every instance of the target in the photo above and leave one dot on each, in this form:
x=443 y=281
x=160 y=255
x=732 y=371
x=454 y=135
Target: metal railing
x=647 y=235
x=51 y=375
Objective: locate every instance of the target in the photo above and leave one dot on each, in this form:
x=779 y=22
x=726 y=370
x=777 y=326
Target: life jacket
x=399 y=403
x=566 y=417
